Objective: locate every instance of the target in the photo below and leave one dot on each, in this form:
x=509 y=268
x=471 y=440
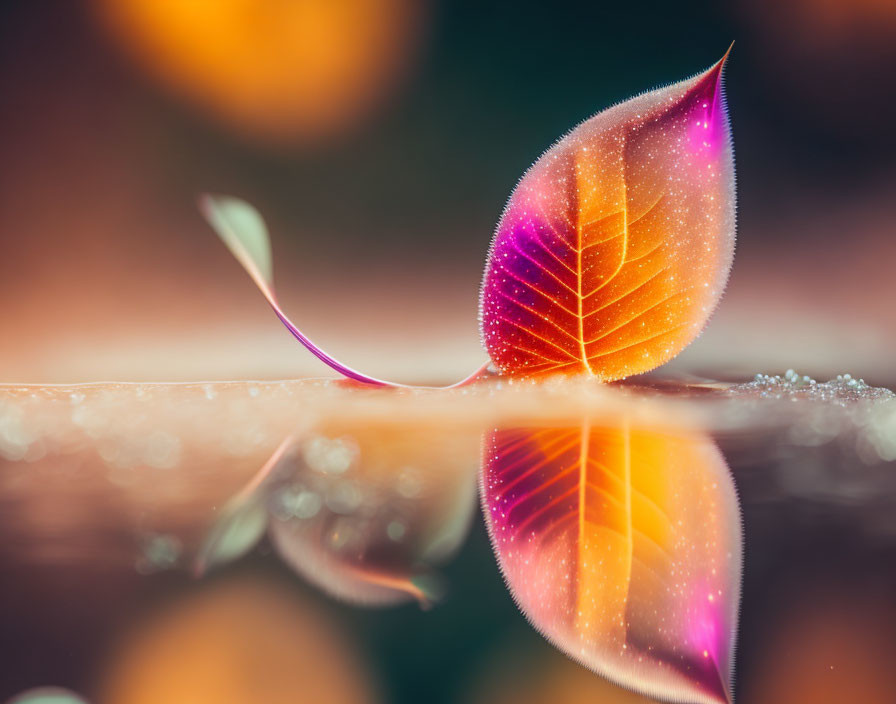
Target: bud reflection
x=362 y=512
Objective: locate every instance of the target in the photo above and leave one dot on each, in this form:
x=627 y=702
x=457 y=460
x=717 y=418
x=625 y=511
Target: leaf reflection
x=622 y=544
x=363 y=512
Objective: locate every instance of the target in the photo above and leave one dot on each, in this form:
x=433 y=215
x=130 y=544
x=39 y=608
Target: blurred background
x=381 y=138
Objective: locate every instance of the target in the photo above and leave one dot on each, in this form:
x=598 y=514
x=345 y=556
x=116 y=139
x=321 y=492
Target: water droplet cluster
x=842 y=390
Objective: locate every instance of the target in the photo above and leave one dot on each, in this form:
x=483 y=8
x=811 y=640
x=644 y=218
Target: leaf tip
x=243 y=230
x=717 y=70
x=720 y=688
x=728 y=52
x=214 y=207
x=205 y=203
x=427 y=589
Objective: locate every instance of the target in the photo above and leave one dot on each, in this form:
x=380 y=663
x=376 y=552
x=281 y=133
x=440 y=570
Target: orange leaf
x=623 y=546
x=616 y=245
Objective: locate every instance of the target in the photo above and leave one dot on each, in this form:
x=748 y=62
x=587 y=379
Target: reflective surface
x=139 y=517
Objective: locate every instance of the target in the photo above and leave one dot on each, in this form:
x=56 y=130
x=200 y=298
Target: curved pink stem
x=346 y=370
x=261 y=275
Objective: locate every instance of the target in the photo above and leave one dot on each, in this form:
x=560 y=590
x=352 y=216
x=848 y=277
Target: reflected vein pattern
x=623 y=546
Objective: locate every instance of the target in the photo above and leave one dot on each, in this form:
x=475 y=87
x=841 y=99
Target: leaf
x=242 y=229
x=615 y=246
x=623 y=546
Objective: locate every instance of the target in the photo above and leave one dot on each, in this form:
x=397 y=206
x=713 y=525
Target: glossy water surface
x=239 y=541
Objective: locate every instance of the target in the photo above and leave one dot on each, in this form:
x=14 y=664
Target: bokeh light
x=281 y=71
x=241 y=641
